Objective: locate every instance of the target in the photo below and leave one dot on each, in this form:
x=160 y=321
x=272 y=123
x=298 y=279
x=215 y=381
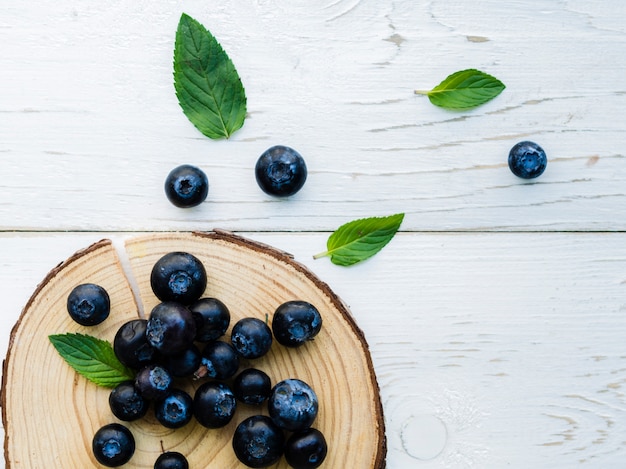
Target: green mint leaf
x=91 y=357
x=207 y=85
x=360 y=239
x=464 y=90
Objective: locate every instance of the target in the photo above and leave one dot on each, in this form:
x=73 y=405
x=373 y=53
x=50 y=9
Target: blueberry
x=171 y=460
x=258 y=442
x=186 y=186
x=252 y=386
x=219 y=361
x=212 y=319
x=171 y=328
x=175 y=409
x=214 y=404
x=131 y=345
x=183 y=364
x=527 y=160
x=306 y=449
x=113 y=445
x=153 y=381
x=280 y=171
x=127 y=403
x=296 y=322
x=293 y=405
x=88 y=304
x=178 y=276
x=251 y=338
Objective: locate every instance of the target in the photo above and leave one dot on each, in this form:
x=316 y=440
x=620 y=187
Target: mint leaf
x=207 y=85
x=91 y=357
x=360 y=239
x=465 y=89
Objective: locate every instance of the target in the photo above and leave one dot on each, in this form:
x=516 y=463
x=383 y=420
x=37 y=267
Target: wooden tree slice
x=50 y=413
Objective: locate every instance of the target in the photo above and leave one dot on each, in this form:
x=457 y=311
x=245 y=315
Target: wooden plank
x=504 y=349
x=90 y=127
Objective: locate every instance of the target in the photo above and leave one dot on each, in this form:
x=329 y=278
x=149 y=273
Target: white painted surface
x=512 y=341
x=88 y=116
x=504 y=349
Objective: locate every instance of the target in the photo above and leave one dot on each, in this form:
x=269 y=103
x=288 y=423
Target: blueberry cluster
x=183 y=337
x=280 y=171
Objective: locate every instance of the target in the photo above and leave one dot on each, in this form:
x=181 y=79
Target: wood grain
x=512 y=341
x=49 y=413
x=492 y=349
x=252 y=279
x=334 y=80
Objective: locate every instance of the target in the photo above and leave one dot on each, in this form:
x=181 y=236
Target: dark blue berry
x=186 y=186
x=251 y=338
x=178 y=276
x=113 y=445
x=252 y=386
x=214 y=404
x=183 y=364
x=153 y=381
x=88 y=304
x=175 y=409
x=131 y=345
x=527 y=160
x=293 y=405
x=258 y=442
x=127 y=403
x=280 y=171
x=306 y=449
x=296 y=322
x=212 y=319
x=171 y=460
x=219 y=361
x=171 y=328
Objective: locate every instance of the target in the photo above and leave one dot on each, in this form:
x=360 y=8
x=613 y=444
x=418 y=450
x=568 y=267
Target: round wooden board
x=50 y=413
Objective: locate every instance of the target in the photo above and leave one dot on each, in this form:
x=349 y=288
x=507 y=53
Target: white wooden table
x=496 y=318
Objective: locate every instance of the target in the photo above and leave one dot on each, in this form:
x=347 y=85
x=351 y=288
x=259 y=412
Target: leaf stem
x=321 y=254
x=424 y=92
